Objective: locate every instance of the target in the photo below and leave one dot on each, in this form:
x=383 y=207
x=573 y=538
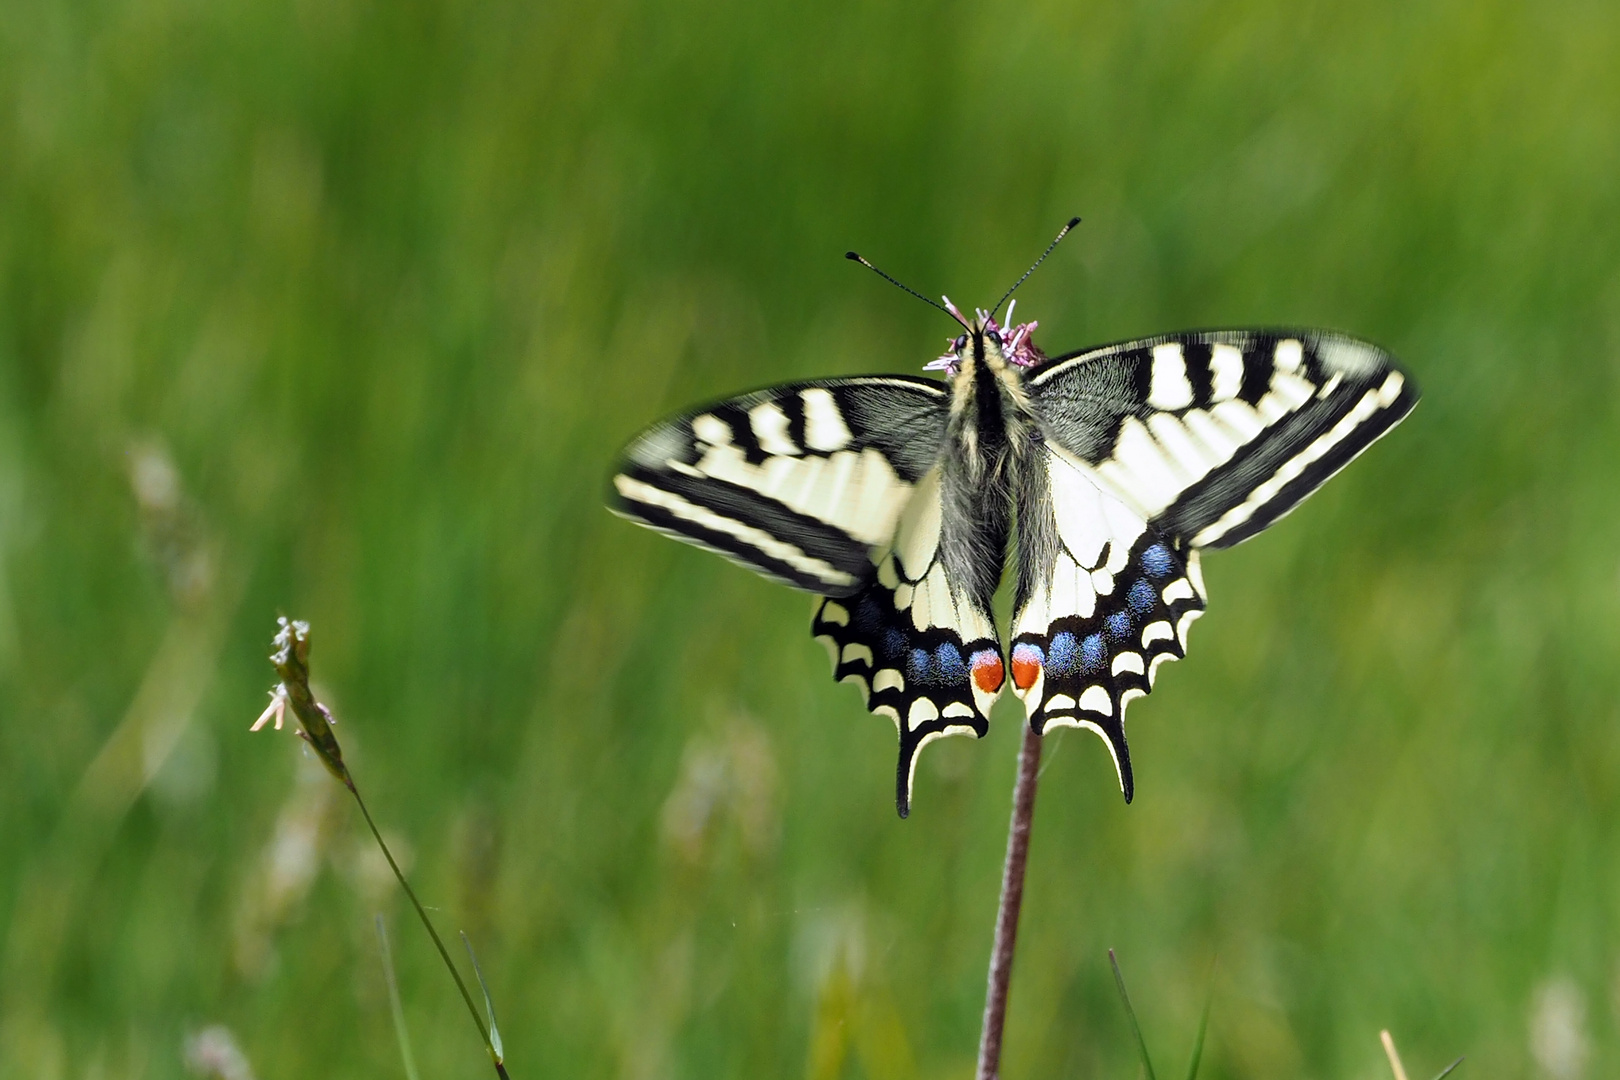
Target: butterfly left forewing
x=797 y=482
x=921 y=648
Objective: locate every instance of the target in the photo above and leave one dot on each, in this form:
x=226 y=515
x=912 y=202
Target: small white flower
x=277 y=708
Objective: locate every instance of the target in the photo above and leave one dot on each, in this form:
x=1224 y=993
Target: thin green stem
x=1198 y=1043
x=444 y=954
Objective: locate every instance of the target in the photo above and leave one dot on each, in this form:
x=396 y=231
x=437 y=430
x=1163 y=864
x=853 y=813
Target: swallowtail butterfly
x=1107 y=472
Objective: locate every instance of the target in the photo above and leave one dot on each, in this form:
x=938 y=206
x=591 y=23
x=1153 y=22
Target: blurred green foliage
x=340 y=308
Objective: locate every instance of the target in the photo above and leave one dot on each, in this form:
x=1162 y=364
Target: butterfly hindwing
x=797 y=482
x=923 y=649
x=1103 y=600
x=1213 y=436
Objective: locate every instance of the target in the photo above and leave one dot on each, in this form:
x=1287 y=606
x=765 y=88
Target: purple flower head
x=1016 y=346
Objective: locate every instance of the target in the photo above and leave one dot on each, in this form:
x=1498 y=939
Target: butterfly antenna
x=1065 y=232
x=854 y=257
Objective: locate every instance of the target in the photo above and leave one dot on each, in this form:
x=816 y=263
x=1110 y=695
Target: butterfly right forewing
x=1214 y=435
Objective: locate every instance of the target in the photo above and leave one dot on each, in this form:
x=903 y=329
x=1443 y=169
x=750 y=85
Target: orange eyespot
x=1026 y=665
x=987 y=671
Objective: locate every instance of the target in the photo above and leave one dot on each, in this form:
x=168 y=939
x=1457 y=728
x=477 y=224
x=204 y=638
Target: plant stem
x=444 y=954
x=1395 y=1065
x=1012 y=899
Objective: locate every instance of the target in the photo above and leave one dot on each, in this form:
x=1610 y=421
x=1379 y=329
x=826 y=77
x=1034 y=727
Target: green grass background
x=340 y=309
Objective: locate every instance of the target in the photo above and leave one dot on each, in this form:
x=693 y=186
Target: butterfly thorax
x=988 y=437
x=990 y=412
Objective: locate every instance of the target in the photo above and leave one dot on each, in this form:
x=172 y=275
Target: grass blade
x=489 y=1003
x=1447 y=1070
x=1136 y=1029
x=394 y=1003
x=1198 y=1043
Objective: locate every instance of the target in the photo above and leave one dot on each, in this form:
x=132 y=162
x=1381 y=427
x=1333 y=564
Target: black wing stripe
x=1200 y=370
x=1273 y=474
x=722 y=543
x=810 y=535
x=760 y=533
x=1317 y=474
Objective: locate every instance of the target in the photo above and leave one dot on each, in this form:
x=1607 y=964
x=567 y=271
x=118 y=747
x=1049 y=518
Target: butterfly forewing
x=798 y=482
x=1213 y=436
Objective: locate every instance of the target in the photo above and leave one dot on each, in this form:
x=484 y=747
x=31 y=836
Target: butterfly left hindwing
x=923 y=650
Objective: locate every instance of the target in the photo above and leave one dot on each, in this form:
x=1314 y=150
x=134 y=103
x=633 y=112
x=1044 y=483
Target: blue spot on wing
x=894 y=646
x=1092 y=653
x=1157 y=561
x=948 y=658
x=1118 y=625
x=1061 y=656
x=1029 y=653
x=1142 y=597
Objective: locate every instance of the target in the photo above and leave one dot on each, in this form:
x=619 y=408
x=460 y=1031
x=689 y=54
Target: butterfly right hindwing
x=1103 y=600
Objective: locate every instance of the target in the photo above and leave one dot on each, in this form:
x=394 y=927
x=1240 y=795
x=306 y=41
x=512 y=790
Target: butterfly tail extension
x=931 y=681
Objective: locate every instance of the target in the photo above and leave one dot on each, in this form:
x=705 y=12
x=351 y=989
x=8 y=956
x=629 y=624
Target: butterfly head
x=983 y=336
